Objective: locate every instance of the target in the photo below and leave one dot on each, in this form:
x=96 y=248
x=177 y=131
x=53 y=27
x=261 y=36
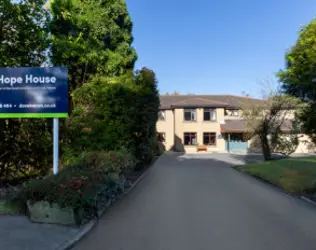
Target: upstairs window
x=190 y=114
x=161 y=115
x=209 y=114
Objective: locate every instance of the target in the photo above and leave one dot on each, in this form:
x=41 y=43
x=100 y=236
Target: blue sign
x=219 y=136
x=34 y=92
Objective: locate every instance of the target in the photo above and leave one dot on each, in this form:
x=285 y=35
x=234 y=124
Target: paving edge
x=89 y=226
x=86 y=229
x=142 y=176
x=308 y=200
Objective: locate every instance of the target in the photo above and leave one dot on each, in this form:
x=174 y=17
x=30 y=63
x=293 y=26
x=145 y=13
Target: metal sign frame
x=35 y=92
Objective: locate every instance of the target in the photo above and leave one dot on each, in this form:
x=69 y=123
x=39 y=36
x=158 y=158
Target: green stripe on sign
x=34 y=115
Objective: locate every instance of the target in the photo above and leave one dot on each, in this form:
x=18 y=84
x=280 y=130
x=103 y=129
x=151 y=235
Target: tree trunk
x=265 y=148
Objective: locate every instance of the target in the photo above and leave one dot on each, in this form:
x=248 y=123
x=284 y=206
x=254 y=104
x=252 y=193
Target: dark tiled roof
x=239 y=126
x=199 y=102
x=227 y=101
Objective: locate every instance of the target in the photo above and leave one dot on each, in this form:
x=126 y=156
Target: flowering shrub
x=83 y=185
x=74 y=186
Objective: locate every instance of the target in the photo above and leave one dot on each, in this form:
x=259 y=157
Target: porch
x=233 y=132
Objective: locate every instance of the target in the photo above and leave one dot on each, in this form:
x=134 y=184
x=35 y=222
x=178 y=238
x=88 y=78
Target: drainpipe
x=174 y=129
x=228 y=142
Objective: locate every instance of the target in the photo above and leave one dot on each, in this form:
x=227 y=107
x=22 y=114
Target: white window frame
x=212 y=114
x=192 y=115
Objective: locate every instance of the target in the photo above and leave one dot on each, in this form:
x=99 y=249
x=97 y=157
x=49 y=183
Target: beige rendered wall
x=199 y=126
x=167 y=127
x=305 y=145
x=288 y=114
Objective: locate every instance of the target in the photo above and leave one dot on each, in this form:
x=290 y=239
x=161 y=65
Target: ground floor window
x=161 y=137
x=190 y=138
x=209 y=138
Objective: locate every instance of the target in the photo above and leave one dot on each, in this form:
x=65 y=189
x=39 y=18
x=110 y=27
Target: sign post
x=35 y=93
x=56 y=146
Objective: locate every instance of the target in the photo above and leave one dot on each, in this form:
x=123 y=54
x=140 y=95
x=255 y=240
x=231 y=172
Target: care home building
x=212 y=122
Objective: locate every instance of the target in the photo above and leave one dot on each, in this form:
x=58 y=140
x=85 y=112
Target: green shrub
x=10 y=200
x=118 y=162
x=108 y=116
x=26 y=149
x=69 y=157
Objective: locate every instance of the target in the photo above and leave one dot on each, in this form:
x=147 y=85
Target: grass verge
x=294 y=175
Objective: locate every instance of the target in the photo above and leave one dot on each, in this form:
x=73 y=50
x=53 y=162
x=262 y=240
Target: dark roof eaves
x=199 y=106
x=196 y=106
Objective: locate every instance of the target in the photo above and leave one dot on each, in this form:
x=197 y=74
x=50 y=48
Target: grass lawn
x=294 y=175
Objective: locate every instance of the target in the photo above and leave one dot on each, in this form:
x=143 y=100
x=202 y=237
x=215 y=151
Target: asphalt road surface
x=200 y=203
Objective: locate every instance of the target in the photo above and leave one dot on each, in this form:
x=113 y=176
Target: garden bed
x=8 y=207
x=82 y=192
x=132 y=176
x=74 y=195
x=78 y=193
x=10 y=203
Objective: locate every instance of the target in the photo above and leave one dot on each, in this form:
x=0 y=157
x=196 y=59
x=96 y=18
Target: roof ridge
x=182 y=101
x=210 y=95
x=179 y=102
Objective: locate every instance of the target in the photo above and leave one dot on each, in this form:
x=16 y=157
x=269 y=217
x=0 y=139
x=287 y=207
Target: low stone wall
x=44 y=212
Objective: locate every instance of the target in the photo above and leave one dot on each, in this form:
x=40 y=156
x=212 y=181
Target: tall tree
x=92 y=38
x=110 y=114
x=23 y=33
x=25 y=143
x=299 y=77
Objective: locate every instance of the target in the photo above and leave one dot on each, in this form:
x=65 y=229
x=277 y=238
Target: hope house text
x=28 y=79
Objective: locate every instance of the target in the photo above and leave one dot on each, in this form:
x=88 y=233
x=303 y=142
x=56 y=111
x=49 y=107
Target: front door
x=236 y=143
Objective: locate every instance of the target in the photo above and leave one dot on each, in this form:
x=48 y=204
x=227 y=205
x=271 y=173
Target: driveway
x=198 y=202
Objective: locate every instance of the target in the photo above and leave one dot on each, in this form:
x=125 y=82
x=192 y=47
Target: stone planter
x=44 y=212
